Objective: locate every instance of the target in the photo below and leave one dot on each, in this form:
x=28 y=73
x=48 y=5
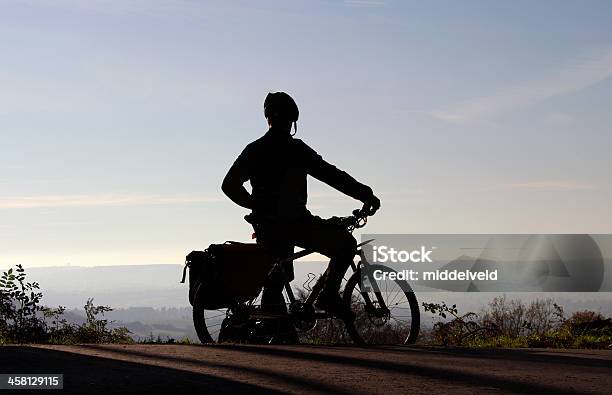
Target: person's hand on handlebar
x=371 y=205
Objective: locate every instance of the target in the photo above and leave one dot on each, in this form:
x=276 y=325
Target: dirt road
x=178 y=369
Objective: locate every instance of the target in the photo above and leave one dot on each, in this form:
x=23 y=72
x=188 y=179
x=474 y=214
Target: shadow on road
x=548 y=357
x=292 y=381
x=102 y=369
x=381 y=364
x=92 y=375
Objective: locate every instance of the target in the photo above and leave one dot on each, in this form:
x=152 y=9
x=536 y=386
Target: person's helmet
x=280 y=105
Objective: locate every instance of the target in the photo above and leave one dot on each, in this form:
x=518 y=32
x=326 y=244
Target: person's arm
x=340 y=180
x=233 y=183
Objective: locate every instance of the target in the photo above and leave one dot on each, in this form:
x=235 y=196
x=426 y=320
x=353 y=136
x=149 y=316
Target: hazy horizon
x=158 y=286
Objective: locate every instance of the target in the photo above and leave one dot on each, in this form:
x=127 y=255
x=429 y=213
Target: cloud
x=154 y=8
x=559 y=119
x=550 y=185
x=582 y=74
x=56 y=201
x=364 y=3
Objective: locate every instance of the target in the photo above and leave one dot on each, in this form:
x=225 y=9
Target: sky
x=119 y=119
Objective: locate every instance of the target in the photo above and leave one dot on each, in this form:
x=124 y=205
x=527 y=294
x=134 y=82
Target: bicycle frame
x=318 y=286
x=357 y=220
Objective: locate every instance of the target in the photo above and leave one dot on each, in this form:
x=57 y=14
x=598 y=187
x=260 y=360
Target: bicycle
x=382 y=316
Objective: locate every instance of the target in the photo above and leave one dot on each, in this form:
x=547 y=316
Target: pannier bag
x=227 y=273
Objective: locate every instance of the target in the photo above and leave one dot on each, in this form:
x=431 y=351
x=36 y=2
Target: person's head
x=281 y=111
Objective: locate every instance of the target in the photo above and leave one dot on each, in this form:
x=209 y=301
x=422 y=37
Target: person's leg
x=335 y=242
x=272 y=299
x=278 y=246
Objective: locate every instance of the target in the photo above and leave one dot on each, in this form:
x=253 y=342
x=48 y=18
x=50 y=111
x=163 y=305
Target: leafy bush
x=512 y=323
x=457 y=331
x=151 y=339
x=584 y=329
x=24 y=320
x=513 y=318
x=20 y=299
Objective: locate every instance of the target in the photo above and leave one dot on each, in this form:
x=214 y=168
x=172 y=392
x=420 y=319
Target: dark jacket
x=277 y=164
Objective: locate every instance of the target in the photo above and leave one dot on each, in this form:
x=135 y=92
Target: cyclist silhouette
x=277 y=165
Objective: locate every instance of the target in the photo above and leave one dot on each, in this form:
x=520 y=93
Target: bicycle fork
x=370 y=308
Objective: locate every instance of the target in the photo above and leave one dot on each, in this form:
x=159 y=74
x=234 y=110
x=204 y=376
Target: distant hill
x=117 y=286
x=147 y=299
x=157 y=286
x=146 y=322
x=126 y=286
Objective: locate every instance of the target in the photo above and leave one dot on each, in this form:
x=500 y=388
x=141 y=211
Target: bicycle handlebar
x=357 y=220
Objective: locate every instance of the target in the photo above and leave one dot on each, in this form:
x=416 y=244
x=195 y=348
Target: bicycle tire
x=406 y=333
x=199 y=320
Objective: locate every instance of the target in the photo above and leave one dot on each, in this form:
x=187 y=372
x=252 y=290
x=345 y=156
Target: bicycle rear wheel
x=207 y=323
x=389 y=316
x=224 y=324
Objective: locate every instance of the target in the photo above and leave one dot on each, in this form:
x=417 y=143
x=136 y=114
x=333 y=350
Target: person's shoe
x=333 y=304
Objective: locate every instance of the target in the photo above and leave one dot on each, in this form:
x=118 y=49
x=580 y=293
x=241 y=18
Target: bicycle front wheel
x=386 y=314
